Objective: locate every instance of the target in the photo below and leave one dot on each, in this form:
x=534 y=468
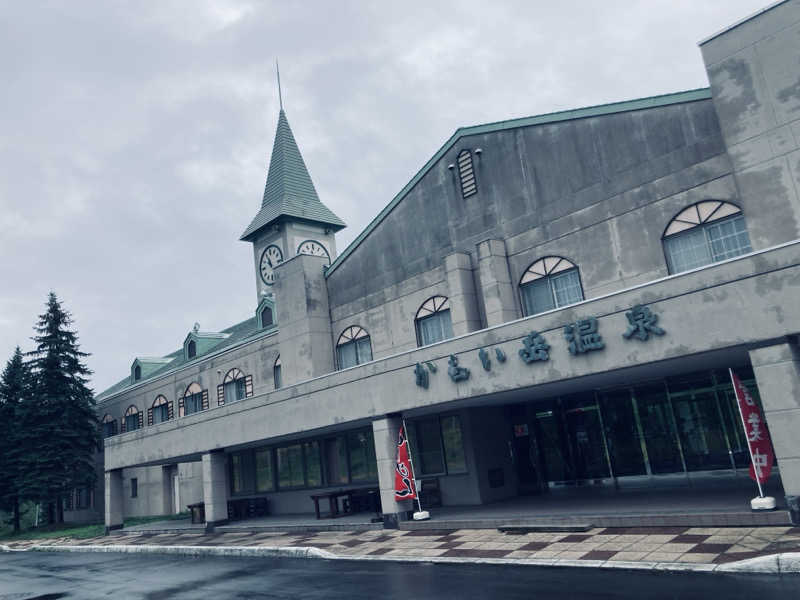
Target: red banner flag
x=404 y=487
x=755 y=429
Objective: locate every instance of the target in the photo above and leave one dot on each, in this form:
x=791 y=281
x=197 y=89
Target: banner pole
x=756 y=470
x=411 y=462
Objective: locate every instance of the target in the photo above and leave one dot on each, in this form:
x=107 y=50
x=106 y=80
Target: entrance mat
x=551 y=528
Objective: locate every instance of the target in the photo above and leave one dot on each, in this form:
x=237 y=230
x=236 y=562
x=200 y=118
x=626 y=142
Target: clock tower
x=292 y=220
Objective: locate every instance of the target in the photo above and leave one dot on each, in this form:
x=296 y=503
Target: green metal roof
x=236 y=334
x=289 y=191
x=555 y=117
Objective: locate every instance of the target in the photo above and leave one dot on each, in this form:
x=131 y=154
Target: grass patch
x=79 y=532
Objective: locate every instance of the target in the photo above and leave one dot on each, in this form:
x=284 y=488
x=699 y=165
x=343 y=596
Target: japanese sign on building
x=641 y=323
x=582 y=336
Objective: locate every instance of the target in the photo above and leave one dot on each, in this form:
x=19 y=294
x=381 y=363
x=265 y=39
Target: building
x=550 y=301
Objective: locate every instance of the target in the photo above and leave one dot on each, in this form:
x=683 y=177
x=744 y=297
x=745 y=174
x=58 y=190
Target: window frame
x=704 y=223
x=355 y=334
x=418 y=473
x=132 y=414
x=549 y=268
x=435 y=305
x=277 y=374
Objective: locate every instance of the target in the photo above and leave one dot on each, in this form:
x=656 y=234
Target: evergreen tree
x=14 y=395
x=60 y=417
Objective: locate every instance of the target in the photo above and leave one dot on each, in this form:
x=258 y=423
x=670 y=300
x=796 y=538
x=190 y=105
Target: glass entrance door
x=584 y=428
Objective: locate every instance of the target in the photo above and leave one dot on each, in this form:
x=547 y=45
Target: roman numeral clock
x=314 y=248
x=270 y=258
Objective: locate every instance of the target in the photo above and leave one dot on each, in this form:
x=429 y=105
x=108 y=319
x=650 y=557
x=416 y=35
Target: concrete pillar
x=115 y=501
x=168 y=502
x=777 y=370
x=215 y=488
x=304 y=322
x=499 y=294
x=385 y=433
x=463 y=299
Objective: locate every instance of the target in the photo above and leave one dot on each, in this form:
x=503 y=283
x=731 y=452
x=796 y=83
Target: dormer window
x=265 y=313
x=191 y=349
x=137 y=373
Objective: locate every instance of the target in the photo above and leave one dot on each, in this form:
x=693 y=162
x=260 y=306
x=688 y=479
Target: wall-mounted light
x=478 y=151
x=451 y=166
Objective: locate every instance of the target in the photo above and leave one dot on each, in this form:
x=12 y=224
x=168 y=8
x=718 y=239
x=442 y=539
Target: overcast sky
x=135 y=136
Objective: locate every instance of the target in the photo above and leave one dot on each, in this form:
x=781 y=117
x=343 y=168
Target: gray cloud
x=135 y=136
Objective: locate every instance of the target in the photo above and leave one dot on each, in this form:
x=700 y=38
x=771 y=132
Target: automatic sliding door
x=661 y=441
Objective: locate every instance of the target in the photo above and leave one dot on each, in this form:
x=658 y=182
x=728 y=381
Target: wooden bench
x=248 y=508
x=354 y=500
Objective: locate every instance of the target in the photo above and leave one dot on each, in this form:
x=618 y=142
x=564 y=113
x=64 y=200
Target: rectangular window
x=237 y=480
x=428 y=446
x=336 y=460
x=234 y=390
x=361 y=451
x=290 y=466
x=132 y=422
x=347 y=355
x=193 y=403
x=83 y=497
x=453 y=444
x=567 y=288
x=109 y=429
x=264 y=479
x=313 y=464
x=728 y=238
x=437 y=445
x=537 y=296
x=134 y=487
x=687 y=250
x=435 y=328
x=160 y=413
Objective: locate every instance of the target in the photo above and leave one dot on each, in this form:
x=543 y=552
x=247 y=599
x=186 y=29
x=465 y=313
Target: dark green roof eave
x=335 y=224
x=554 y=117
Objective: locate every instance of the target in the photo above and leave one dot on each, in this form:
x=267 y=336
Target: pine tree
x=14 y=395
x=61 y=416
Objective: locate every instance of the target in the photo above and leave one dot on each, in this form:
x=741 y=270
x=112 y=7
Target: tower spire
x=278 y=72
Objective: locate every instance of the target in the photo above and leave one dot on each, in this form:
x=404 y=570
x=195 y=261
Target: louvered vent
x=466 y=174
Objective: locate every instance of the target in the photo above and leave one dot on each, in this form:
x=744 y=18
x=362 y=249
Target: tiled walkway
x=652 y=544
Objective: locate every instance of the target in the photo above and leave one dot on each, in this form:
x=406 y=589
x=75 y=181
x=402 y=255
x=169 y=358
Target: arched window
x=353 y=347
x=137 y=373
x=160 y=411
x=191 y=349
x=194 y=400
x=705 y=233
x=550 y=282
x=235 y=386
x=109 y=426
x=276 y=373
x=466 y=174
x=132 y=419
x=433 y=321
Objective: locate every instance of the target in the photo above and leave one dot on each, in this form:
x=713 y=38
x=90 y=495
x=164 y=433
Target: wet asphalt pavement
x=52 y=576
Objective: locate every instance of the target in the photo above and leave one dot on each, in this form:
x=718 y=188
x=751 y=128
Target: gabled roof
x=289 y=191
x=239 y=333
x=564 y=115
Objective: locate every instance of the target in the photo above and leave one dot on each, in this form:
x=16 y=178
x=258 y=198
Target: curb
x=776 y=564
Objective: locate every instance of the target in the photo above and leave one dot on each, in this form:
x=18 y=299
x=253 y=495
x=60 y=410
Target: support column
x=463 y=299
x=777 y=370
x=215 y=489
x=115 y=502
x=385 y=432
x=166 y=490
x=499 y=298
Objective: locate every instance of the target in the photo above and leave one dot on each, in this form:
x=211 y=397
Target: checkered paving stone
x=661 y=544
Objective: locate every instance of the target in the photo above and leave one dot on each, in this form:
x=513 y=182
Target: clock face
x=270 y=258
x=313 y=248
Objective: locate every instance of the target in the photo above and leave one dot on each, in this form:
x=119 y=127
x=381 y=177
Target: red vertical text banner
x=755 y=429
x=404 y=487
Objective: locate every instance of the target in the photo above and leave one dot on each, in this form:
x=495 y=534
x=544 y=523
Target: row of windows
x=702 y=234
x=235 y=386
x=336 y=460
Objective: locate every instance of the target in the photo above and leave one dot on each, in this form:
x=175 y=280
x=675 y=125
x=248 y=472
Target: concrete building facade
x=551 y=301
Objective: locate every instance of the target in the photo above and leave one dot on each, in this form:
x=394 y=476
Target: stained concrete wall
x=599 y=191
x=695 y=309
x=754 y=70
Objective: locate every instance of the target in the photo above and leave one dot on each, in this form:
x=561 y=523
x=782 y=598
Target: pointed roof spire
x=289 y=191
